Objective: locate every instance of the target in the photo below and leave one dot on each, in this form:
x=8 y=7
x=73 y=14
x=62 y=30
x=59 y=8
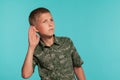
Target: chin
x=50 y=35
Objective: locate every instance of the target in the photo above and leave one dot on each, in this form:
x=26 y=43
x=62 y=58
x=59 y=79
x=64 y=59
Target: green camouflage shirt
x=57 y=61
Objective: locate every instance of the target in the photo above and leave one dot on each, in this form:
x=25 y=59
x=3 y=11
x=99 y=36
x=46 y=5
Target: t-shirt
x=57 y=61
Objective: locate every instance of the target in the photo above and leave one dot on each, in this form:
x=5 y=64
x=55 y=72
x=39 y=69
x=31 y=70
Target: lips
x=51 y=29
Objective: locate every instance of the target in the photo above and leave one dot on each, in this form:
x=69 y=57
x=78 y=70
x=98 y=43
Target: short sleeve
x=34 y=62
x=76 y=59
x=35 y=59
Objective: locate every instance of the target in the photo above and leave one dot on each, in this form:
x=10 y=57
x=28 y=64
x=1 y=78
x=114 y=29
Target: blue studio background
x=93 y=25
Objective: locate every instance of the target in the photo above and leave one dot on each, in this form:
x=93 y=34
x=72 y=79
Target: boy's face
x=45 y=25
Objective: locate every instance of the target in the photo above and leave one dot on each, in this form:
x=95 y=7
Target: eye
x=44 y=21
x=51 y=19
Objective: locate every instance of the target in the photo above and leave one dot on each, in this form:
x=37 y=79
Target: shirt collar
x=56 y=42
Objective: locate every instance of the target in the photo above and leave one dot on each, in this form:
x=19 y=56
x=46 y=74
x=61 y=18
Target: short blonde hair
x=33 y=17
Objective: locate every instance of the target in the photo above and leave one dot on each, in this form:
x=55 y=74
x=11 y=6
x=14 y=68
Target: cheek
x=42 y=29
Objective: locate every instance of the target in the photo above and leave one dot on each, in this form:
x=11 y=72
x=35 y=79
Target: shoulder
x=63 y=39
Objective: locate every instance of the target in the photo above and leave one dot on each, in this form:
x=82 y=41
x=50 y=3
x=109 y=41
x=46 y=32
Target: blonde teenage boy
x=56 y=57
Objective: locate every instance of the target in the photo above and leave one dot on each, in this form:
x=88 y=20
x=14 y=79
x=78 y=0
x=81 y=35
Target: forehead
x=45 y=16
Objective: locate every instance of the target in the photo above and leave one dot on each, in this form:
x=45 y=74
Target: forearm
x=79 y=73
x=27 y=68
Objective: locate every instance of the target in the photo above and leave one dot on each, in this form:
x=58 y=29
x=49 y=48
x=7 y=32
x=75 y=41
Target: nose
x=51 y=23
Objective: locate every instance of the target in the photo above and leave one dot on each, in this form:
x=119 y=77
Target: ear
x=36 y=30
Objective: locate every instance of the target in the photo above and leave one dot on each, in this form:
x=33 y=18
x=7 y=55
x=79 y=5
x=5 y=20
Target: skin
x=79 y=73
x=45 y=26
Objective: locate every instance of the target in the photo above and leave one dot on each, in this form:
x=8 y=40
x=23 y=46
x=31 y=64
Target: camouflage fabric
x=57 y=61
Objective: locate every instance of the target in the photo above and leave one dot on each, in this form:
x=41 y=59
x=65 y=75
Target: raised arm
x=33 y=39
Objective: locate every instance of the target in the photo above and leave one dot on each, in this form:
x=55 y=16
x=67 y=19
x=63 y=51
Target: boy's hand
x=33 y=37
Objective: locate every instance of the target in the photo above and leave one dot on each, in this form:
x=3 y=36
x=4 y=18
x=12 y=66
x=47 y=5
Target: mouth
x=51 y=29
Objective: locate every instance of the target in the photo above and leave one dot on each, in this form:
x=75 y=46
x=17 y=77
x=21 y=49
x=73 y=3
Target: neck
x=48 y=40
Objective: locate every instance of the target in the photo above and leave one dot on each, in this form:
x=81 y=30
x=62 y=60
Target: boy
x=56 y=57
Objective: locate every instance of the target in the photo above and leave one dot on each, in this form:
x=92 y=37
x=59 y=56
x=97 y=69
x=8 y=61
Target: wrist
x=31 y=48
